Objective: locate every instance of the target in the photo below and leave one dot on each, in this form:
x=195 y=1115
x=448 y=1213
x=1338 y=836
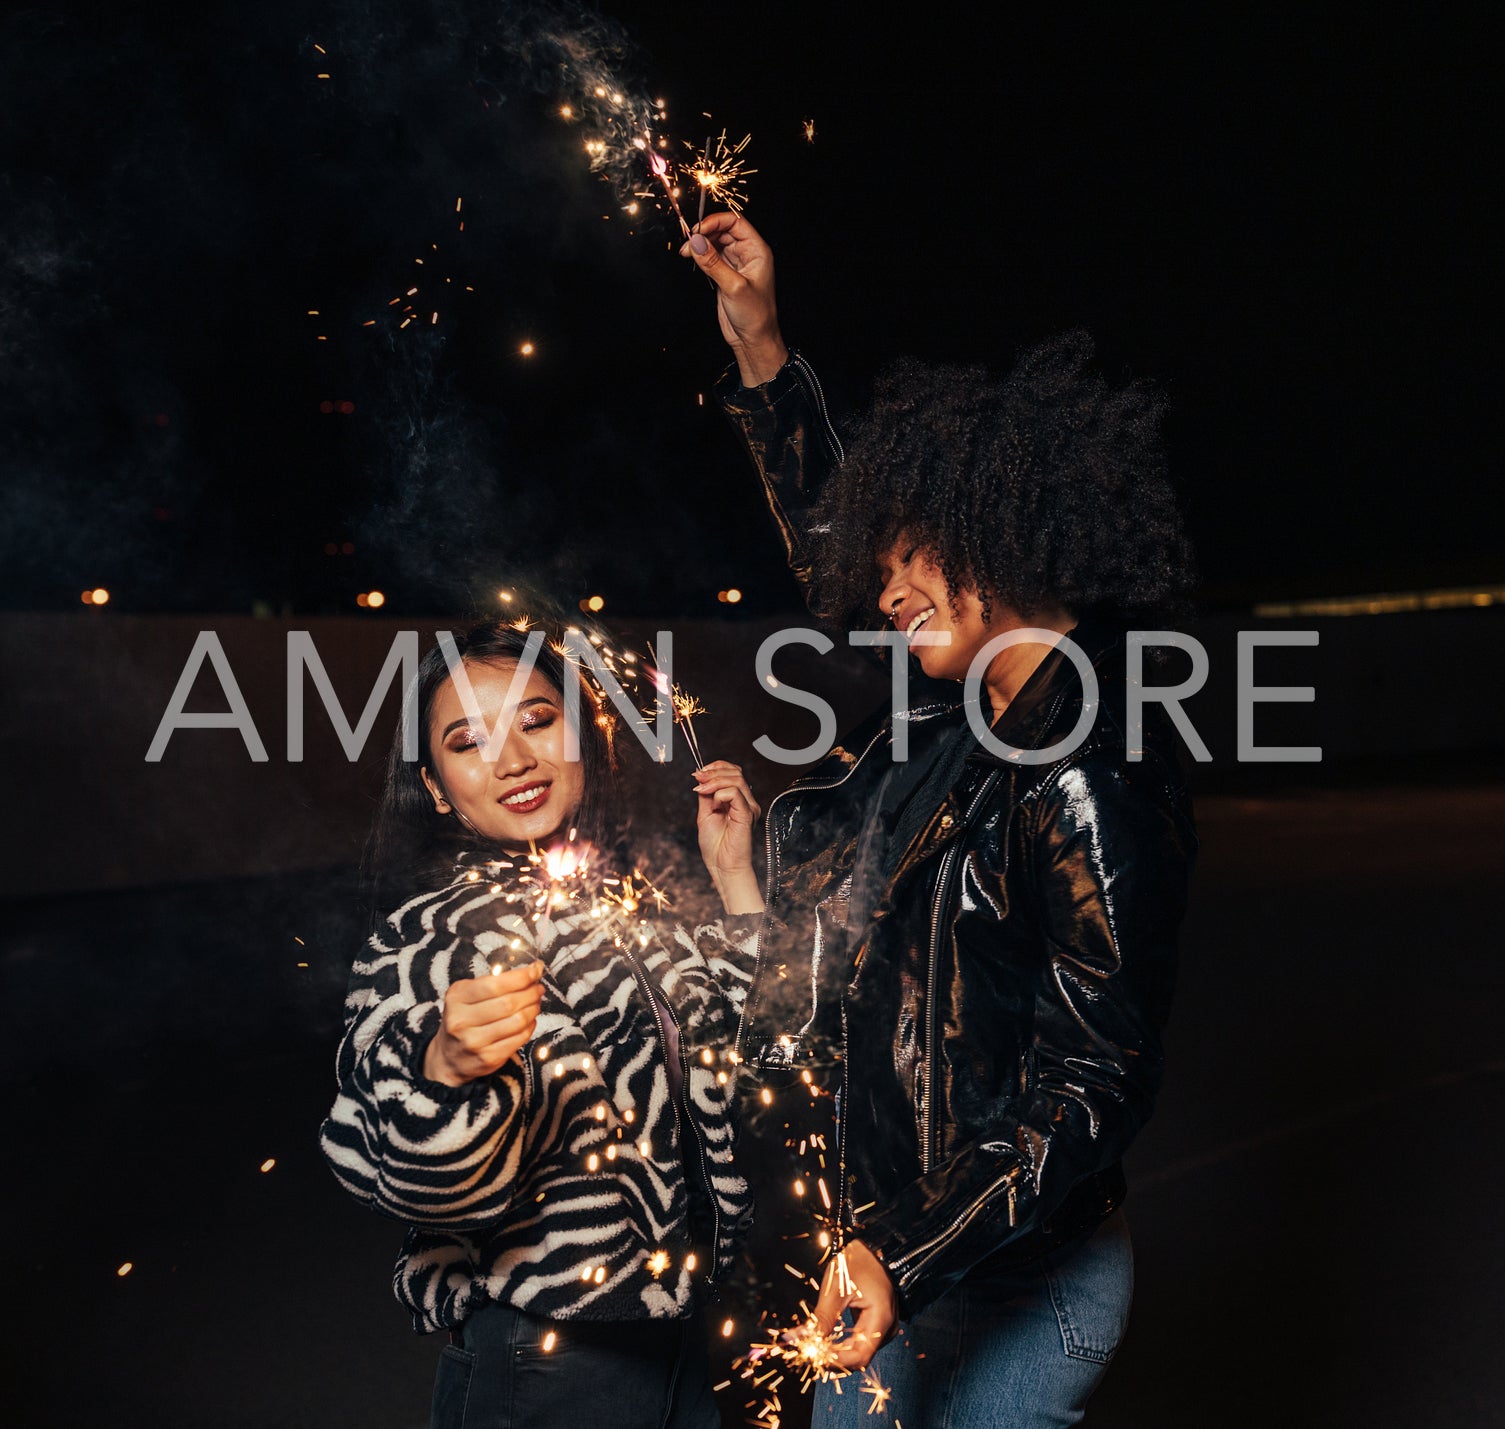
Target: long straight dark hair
x=413 y=847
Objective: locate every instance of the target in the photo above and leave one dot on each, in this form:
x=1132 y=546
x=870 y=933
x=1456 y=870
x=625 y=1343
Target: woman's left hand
x=725 y=818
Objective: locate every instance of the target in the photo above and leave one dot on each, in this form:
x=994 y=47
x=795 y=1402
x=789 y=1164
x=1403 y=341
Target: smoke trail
x=182 y=190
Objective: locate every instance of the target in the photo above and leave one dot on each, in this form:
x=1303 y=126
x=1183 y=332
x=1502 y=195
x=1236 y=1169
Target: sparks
x=806 y=1349
x=659 y=166
x=683 y=704
x=844 y=1285
x=721 y=171
x=872 y=1385
x=567 y=879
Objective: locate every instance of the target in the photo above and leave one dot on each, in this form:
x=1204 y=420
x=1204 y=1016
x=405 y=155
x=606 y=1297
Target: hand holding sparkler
x=733 y=255
x=724 y=820
x=856 y=1277
x=487 y=1020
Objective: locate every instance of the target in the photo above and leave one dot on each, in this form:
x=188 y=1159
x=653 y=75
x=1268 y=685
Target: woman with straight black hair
x=532 y=1077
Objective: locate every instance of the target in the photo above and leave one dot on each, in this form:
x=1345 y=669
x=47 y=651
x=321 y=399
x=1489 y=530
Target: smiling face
x=915 y=599
x=516 y=786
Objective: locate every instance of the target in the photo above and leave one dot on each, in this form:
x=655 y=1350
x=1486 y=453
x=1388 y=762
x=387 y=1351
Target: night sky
x=1276 y=215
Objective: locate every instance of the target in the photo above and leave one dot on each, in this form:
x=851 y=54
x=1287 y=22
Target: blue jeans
x=1023 y=1350
x=633 y=1374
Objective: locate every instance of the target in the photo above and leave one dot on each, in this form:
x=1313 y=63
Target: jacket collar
x=1050 y=701
x=1041 y=714
x=873 y=739
x=1044 y=709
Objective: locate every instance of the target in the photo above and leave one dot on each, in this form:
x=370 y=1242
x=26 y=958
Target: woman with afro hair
x=972 y=905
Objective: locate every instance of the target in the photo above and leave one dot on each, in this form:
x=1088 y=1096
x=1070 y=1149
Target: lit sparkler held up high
x=721 y=172
x=684 y=705
x=626 y=129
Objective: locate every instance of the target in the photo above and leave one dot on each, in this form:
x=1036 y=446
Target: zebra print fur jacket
x=571 y=1183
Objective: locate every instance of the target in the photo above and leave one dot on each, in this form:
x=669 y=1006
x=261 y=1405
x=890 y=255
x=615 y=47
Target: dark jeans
x=632 y=1374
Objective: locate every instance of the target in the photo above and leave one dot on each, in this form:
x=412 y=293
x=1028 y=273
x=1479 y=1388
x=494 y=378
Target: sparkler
x=627 y=669
x=659 y=166
x=805 y=1350
x=811 y=1354
x=619 y=122
x=722 y=172
x=704 y=189
x=684 y=705
x=564 y=878
x=871 y=1384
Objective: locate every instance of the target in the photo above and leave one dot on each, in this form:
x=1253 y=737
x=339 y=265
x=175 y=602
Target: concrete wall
x=84 y=693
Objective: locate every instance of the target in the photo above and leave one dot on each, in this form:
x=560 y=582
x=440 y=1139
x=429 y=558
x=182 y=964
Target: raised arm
x=777 y=407
x=733 y=255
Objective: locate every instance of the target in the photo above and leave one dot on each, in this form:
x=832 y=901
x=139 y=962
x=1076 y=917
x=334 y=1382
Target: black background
x=1278 y=214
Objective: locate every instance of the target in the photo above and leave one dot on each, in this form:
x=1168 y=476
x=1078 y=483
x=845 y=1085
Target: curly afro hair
x=1043 y=488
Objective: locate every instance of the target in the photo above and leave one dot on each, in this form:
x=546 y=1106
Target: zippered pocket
x=916 y=1257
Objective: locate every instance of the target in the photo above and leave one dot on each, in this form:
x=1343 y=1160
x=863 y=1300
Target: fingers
x=474 y=1008
x=721 y=766
x=831 y=1301
x=867 y=1338
x=729 y=801
x=476 y=1037
x=727 y=788
x=497 y=984
x=723 y=227
x=725 y=221
x=722 y=245
x=869 y=1291
x=480 y=1061
x=509 y=1036
x=466 y=1048
x=708 y=258
x=505 y=1050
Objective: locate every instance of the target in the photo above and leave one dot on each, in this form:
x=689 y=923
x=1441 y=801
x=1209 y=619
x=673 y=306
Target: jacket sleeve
x=1110 y=861
x=415 y=1149
x=730 y=948
x=788 y=435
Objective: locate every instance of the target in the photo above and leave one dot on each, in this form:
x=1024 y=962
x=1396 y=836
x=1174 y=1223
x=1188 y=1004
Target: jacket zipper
x=771 y=862
x=820 y=403
x=939 y=1242
x=841 y=1128
x=679 y=1122
x=771 y=852
x=942 y=892
x=841 y=1125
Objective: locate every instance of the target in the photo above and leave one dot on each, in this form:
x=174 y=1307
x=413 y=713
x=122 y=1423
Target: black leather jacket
x=997 y=1021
